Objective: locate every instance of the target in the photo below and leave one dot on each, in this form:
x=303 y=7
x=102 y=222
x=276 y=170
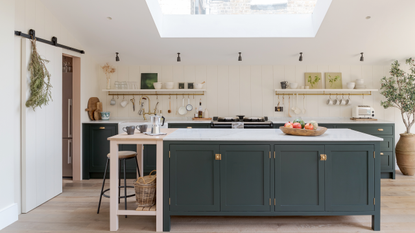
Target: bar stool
x=122 y=156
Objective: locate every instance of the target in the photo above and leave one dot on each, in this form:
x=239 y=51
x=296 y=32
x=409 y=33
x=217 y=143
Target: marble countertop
x=275 y=120
x=331 y=135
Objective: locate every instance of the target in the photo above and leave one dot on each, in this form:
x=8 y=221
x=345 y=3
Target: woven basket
x=145 y=190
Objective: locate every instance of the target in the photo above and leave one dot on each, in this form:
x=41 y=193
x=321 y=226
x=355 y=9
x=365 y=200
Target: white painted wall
x=249 y=90
x=8 y=204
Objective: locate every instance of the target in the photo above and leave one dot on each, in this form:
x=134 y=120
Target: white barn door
x=41 y=133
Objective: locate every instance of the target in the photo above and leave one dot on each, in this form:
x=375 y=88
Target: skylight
x=236 y=7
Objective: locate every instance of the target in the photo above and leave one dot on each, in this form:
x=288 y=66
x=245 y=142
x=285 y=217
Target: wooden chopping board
x=92 y=106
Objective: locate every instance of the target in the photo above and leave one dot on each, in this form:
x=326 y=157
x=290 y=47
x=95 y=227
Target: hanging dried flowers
x=40 y=87
x=108 y=70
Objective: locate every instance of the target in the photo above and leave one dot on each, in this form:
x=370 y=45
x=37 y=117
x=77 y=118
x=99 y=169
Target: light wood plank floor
x=75 y=211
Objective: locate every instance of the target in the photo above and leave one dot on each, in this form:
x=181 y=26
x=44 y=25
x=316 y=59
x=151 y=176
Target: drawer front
x=374 y=129
x=189 y=125
x=386 y=144
x=386 y=160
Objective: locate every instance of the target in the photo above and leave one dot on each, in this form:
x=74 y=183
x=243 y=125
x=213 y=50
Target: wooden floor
x=75 y=211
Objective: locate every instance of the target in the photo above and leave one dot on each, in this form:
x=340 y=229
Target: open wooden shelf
x=325 y=91
x=154 y=90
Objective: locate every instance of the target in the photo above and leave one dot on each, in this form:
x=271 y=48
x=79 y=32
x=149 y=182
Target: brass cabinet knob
x=380 y=130
x=218 y=157
x=381 y=153
x=101 y=127
x=189 y=127
x=323 y=157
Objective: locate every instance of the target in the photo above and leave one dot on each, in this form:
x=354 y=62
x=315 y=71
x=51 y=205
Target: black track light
x=361 y=57
x=178 y=57
x=301 y=56
x=116 y=57
x=240 y=56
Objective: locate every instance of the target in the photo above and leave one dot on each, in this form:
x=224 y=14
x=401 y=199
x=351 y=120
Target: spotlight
x=361 y=57
x=178 y=57
x=116 y=57
x=301 y=56
x=240 y=57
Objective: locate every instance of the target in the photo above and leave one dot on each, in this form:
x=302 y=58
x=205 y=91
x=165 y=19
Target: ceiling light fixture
x=116 y=57
x=109 y=18
x=240 y=57
x=178 y=57
x=361 y=57
x=368 y=17
x=301 y=56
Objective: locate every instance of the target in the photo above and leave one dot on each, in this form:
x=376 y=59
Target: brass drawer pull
x=189 y=127
x=381 y=153
x=218 y=157
x=101 y=127
x=380 y=130
x=323 y=157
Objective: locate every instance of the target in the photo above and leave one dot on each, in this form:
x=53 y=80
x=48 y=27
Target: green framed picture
x=147 y=80
x=313 y=80
x=333 y=80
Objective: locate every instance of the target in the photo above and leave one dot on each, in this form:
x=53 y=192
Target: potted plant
x=399 y=91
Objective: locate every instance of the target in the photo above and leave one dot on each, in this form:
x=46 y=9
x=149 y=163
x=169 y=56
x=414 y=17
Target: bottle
x=200 y=110
x=206 y=113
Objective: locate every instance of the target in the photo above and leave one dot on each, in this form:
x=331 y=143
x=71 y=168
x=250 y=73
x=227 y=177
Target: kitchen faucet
x=143 y=111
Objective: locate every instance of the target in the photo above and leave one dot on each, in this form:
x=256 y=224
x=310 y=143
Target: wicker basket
x=145 y=190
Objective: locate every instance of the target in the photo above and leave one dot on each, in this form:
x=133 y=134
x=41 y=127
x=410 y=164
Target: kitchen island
x=263 y=172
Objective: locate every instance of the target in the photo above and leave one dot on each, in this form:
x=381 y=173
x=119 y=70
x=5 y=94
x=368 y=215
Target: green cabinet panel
x=299 y=178
x=194 y=178
x=349 y=178
x=187 y=125
x=370 y=128
x=245 y=177
x=328 y=126
x=386 y=160
x=386 y=144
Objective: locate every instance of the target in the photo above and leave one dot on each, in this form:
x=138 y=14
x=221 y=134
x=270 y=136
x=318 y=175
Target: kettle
x=156 y=123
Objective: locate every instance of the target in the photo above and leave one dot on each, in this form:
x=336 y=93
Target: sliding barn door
x=41 y=133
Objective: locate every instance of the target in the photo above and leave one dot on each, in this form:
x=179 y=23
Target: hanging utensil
x=182 y=110
x=189 y=107
x=289 y=105
x=133 y=101
x=303 y=104
x=297 y=109
x=169 y=111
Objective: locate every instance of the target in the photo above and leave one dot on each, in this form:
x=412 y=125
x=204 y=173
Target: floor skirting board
x=8 y=215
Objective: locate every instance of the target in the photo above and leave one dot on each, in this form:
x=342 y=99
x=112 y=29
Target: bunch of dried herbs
x=40 y=87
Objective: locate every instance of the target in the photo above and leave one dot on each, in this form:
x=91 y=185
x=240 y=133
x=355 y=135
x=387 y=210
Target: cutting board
x=92 y=106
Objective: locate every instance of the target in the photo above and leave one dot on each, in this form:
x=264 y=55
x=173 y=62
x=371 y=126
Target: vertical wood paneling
x=245 y=90
x=234 y=91
x=200 y=77
x=256 y=88
x=324 y=109
x=212 y=84
x=223 y=91
x=267 y=95
x=278 y=77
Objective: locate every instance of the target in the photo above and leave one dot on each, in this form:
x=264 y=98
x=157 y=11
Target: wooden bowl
x=304 y=132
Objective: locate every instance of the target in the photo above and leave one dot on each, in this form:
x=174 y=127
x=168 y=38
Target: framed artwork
x=189 y=85
x=313 y=80
x=147 y=80
x=333 y=80
x=181 y=85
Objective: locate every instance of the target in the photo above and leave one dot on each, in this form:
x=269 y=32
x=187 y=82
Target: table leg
x=113 y=186
x=159 y=187
x=140 y=159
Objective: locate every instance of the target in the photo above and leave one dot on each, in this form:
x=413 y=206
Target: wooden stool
x=122 y=156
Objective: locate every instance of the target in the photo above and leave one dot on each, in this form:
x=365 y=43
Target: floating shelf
x=325 y=91
x=155 y=91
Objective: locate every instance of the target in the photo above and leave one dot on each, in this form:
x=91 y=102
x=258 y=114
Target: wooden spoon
x=169 y=111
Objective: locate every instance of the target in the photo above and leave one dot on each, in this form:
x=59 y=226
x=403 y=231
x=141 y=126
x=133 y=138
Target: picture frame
x=147 y=80
x=181 y=85
x=313 y=80
x=333 y=80
x=189 y=85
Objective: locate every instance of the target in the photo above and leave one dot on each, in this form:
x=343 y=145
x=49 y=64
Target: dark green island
x=262 y=172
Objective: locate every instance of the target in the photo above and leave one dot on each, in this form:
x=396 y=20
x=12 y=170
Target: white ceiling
x=344 y=33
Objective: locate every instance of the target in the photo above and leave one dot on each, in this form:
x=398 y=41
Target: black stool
x=122 y=156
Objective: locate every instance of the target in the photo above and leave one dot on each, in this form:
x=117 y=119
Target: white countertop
x=275 y=120
x=331 y=135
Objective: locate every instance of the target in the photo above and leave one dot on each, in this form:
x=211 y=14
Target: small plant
x=333 y=80
x=399 y=91
x=40 y=87
x=108 y=70
x=313 y=82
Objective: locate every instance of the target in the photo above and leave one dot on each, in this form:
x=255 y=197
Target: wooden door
x=349 y=178
x=41 y=143
x=299 y=178
x=194 y=178
x=245 y=178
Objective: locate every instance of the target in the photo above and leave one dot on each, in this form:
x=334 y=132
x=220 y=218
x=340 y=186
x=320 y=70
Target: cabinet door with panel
x=245 y=177
x=99 y=146
x=349 y=178
x=299 y=189
x=194 y=178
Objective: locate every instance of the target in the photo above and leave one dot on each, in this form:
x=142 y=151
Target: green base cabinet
x=274 y=179
x=95 y=148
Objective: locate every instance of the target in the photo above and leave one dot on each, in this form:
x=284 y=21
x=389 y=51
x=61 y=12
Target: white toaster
x=363 y=111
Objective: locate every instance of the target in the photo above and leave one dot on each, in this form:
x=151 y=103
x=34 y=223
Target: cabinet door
x=349 y=178
x=386 y=160
x=194 y=178
x=299 y=189
x=99 y=146
x=245 y=178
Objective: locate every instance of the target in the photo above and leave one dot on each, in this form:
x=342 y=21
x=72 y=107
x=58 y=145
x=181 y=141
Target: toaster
x=363 y=111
